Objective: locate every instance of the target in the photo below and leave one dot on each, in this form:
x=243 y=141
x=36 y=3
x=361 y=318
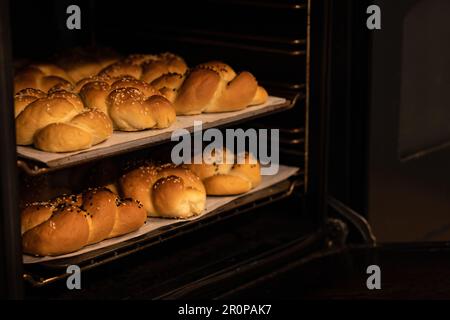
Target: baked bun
x=67 y=224
x=24 y=97
x=211 y=87
x=146 y=67
x=165 y=191
x=131 y=104
x=42 y=77
x=222 y=175
x=81 y=63
x=59 y=122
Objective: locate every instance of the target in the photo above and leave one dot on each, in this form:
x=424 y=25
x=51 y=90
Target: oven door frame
x=11 y=284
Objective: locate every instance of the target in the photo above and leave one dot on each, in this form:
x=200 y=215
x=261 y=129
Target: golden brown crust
x=196 y=92
x=62 y=137
x=225 y=184
x=101 y=208
x=228 y=178
x=82 y=132
x=40 y=114
x=165 y=63
x=260 y=96
x=146 y=67
x=81 y=63
x=40 y=76
x=168 y=85
x=25 y=97
x=120 y=69
x=165 y=191
x=59 y=122
x=132 y=217
x=68 y=223
x=161 y=110
x=130 y=103
x=67 y=230
x=211 y=87
x=33 y=215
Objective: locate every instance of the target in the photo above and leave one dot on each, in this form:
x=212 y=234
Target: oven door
x=389 y=134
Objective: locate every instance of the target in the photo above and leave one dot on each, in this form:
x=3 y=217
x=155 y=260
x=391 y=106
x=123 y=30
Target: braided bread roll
x=211 y=87
x=42 y=77
x=59 y=122
x=24 y=97
x=131 y=104
x=165 y=191
x=68 y=223
x=222 y=177
x=80 y=63
x=146 y=67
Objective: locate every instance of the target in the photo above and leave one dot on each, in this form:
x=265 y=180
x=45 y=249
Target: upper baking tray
x=121 y=142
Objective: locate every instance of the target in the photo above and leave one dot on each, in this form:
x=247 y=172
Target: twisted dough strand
x=165 y=191
x=226 y=176
x=69 y=223
x=146 y=67
x=211 y=87
x=131 y=104
x=58 y=122
x=42 y=77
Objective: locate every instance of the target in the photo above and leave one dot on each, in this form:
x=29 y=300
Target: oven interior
x=270 y=38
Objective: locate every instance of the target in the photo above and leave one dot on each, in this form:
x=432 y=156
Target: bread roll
x=42 y=77
x=59 y=122
x=131 y=104
x=211 y=87
x=69 y=223
x=146 y=67
x=25 y=97
x=223 y=177
x=165 y=191
x=81 y=63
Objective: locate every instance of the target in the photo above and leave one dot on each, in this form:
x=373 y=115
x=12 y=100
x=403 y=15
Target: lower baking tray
x=47 y=272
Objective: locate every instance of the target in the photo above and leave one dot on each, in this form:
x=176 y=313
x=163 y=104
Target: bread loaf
x=42 y=77
x=165 y=191
x=59 y=122
x=221 y=176
x=131 y=104
x=69 y=223
x=210 y=87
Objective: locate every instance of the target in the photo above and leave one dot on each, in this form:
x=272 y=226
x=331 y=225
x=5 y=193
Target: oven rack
x=42 y=274
x=36 y=168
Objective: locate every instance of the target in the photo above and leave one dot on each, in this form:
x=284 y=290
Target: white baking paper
x=152 y=224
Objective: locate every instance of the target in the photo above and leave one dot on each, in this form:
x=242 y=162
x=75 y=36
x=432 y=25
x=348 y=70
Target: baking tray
x=42 y=274
x=35 y=162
